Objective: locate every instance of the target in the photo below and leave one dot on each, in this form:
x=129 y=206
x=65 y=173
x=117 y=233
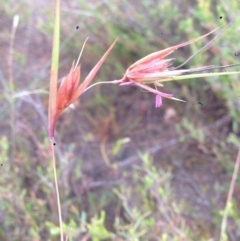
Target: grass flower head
x=70 y=89
x=155 y=69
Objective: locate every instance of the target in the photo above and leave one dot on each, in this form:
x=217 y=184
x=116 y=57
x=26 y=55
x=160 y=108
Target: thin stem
x=52 y=108
x=223 y=236
x=11 y=85
x=103 y=82
x=57 y=191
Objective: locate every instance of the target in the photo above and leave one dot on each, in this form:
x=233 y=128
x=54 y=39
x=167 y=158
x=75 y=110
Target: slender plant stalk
x=11 y=85
x=52 y=108
x=57 y=192
x=223 y=236
x=53 y=103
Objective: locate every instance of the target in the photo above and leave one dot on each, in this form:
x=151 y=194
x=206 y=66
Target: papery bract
x=70 y=89
x=154 y=69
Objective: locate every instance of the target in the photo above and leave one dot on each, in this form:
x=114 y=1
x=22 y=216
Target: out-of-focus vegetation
x=127 y=171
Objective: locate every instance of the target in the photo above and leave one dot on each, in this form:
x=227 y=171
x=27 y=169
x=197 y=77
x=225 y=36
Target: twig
x=223 y=236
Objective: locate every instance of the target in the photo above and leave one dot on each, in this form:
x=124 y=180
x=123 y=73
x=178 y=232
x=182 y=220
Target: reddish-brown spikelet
x=69 y=89
x=153 y=68
x=154 y=65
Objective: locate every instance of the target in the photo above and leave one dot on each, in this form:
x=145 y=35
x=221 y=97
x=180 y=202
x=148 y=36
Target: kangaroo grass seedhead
x=69 y=89
x=155 y=69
